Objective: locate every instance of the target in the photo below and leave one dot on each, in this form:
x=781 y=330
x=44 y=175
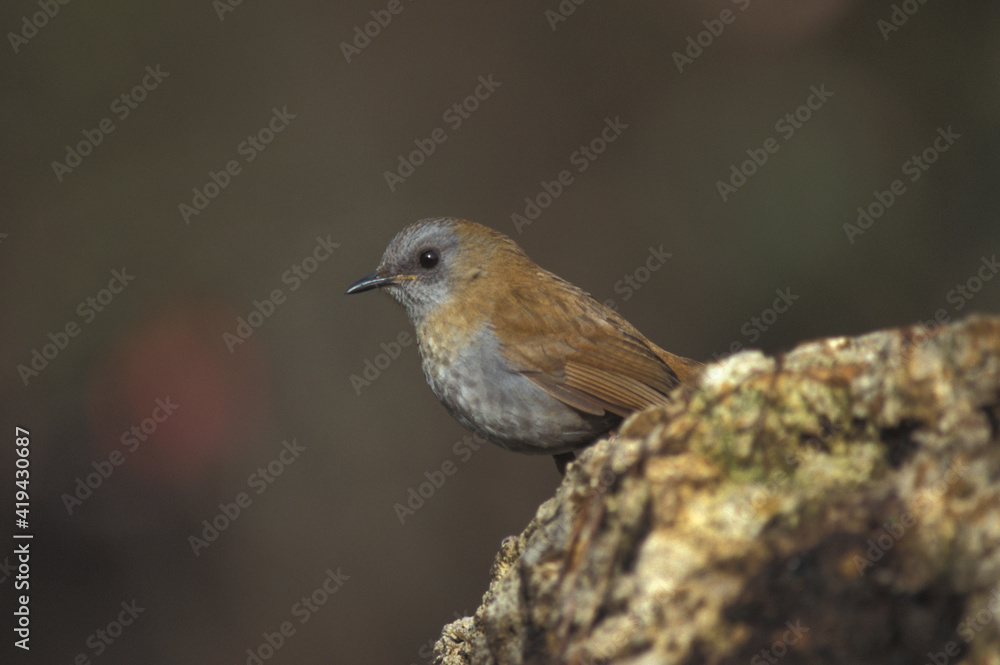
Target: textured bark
x=836 y=504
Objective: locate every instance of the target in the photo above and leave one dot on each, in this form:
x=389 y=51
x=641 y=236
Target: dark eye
x=428 y=259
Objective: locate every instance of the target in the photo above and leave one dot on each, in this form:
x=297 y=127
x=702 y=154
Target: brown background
x=332 y=508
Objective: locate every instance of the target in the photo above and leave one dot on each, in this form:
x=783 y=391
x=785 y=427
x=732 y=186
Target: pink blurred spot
x=178 y=357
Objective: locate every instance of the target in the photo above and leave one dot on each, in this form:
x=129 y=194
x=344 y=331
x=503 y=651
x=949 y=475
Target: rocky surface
x=836 y=504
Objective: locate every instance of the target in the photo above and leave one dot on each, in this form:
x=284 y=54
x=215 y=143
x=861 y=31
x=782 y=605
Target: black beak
x=372 y=281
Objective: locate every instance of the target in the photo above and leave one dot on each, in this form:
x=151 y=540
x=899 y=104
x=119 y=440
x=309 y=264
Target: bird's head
x=432 y=261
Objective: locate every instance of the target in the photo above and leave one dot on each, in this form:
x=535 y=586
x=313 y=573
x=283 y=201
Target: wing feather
x=580 y=351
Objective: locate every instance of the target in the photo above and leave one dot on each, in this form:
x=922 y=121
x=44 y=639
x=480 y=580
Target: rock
x=836 y=504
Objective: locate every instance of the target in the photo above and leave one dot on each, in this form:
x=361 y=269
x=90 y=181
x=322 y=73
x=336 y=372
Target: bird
x=516 y=354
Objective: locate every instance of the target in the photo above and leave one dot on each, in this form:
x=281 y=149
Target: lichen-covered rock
x=836 y=504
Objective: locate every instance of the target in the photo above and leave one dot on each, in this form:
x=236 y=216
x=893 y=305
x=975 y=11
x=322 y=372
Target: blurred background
x=261 y=472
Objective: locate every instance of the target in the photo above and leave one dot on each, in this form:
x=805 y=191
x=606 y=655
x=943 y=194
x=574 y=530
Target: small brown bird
x=516 y=354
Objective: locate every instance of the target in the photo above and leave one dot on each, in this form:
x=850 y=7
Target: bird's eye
x=428 y=259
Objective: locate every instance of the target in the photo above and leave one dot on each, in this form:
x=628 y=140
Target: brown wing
x=581 y=352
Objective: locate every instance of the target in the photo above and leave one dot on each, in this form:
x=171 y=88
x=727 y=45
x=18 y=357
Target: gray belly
x=482 y=391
